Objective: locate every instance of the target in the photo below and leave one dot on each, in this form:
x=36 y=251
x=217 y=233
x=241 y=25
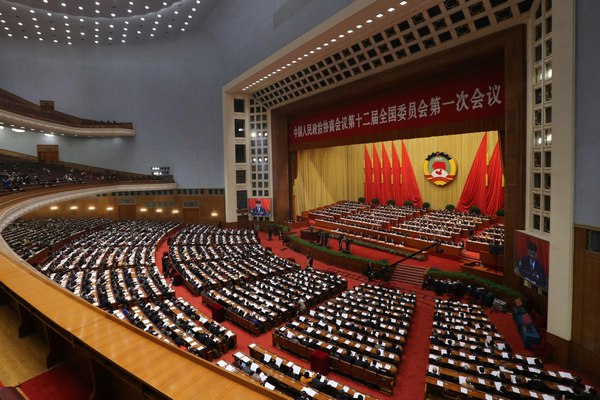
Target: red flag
x=376 y=175
x=410 y=189
x=396 y=172
x=495 y=191
x=368 y=177
x=474 y=192
x=387 y=176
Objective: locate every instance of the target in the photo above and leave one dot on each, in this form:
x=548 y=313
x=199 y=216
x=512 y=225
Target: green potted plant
x=450 y=207
x=391 y=202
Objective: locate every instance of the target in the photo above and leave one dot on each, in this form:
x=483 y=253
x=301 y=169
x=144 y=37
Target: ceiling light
x=350 y=31
x=369 y=21
x=391 y=9
x=379 y=15
x=340 y=36
x=403 y=3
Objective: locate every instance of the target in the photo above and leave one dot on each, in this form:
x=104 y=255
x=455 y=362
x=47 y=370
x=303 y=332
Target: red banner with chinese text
x=460 y=99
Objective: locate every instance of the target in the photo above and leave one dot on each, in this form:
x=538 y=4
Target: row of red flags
x=396 y=180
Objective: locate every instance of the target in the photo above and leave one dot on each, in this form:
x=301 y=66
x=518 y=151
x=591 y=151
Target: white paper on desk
x=533 y=395
x=368 y=348
x=239 y=354
x=246 y=359
x=356 y=394
x=253 y=367
x=464 y=390
x=222 y=363
x=269 y=386
x=471 y=357
x=498 y=385
x=531 y=360
x=267 y=358
x=450 y=361
x=296 y=369
x=263 y=376
x=340 y=351
x=431 y=369
x=547 y=396
x=443 y=352
x=462 y=380
x=332 y=383
x=535 y=370
x=230 y=368
x=488 y=397
x=345 y=389
x=378 y=365
x=440 y=383
x=565 y=374
x=552 y=373
x=516 y=390
x=563 y=388
x=278 y=361
x=310 y=392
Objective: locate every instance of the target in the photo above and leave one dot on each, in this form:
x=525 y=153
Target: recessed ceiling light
x=350 y=31
x=391 y=9
x=369 y=21
x=403 y=3
x=379 y=15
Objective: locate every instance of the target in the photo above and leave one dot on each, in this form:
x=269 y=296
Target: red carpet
x=59 y=383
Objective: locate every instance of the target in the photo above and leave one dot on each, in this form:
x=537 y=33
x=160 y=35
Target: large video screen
x=259 y=206
x=532 y=259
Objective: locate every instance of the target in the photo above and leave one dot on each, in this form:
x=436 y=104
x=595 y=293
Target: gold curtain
x=327 y=175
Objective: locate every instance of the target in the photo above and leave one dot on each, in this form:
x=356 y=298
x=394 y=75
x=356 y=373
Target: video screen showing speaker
x=259 y=206
x=532 y=259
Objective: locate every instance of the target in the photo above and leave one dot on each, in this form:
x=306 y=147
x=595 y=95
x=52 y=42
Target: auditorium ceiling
x=372 y=37
x=99 y=22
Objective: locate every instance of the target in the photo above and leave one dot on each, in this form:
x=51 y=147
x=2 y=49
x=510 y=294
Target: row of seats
x=264 y=304
x=210 y=257
x=114 y=268
x=27 y=237
x=363 y=331
x=290 y=378
x=469 y=359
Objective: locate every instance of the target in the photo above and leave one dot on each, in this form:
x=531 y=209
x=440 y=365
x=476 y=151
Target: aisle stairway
x=408 y=274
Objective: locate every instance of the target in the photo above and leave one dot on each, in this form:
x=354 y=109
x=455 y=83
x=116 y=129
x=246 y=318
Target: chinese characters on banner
x=465 y=98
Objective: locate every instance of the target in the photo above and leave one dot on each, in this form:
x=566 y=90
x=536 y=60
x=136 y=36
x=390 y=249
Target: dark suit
x=533 y=270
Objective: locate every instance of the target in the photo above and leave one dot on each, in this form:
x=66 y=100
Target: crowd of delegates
x=491 y=235
x=17 y=174
x=261 y=305
x=363 y=331
x=337 y=210
x=27 y=237
x=210 y=257
x=381 y=216
x=114 y=268
x=285 y=376
x=395 y=224
x=468 y=355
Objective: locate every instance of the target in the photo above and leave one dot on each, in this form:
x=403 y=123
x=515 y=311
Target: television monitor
x=532 y=259
x=259 y=206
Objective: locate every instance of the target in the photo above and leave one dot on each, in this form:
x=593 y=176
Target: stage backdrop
x=326 y=175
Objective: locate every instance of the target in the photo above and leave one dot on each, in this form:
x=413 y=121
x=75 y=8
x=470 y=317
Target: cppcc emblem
x=439 y=168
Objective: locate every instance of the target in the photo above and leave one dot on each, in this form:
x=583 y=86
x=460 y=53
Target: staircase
x=408 y=274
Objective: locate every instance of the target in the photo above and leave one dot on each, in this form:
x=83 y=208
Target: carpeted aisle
x=59 y=383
